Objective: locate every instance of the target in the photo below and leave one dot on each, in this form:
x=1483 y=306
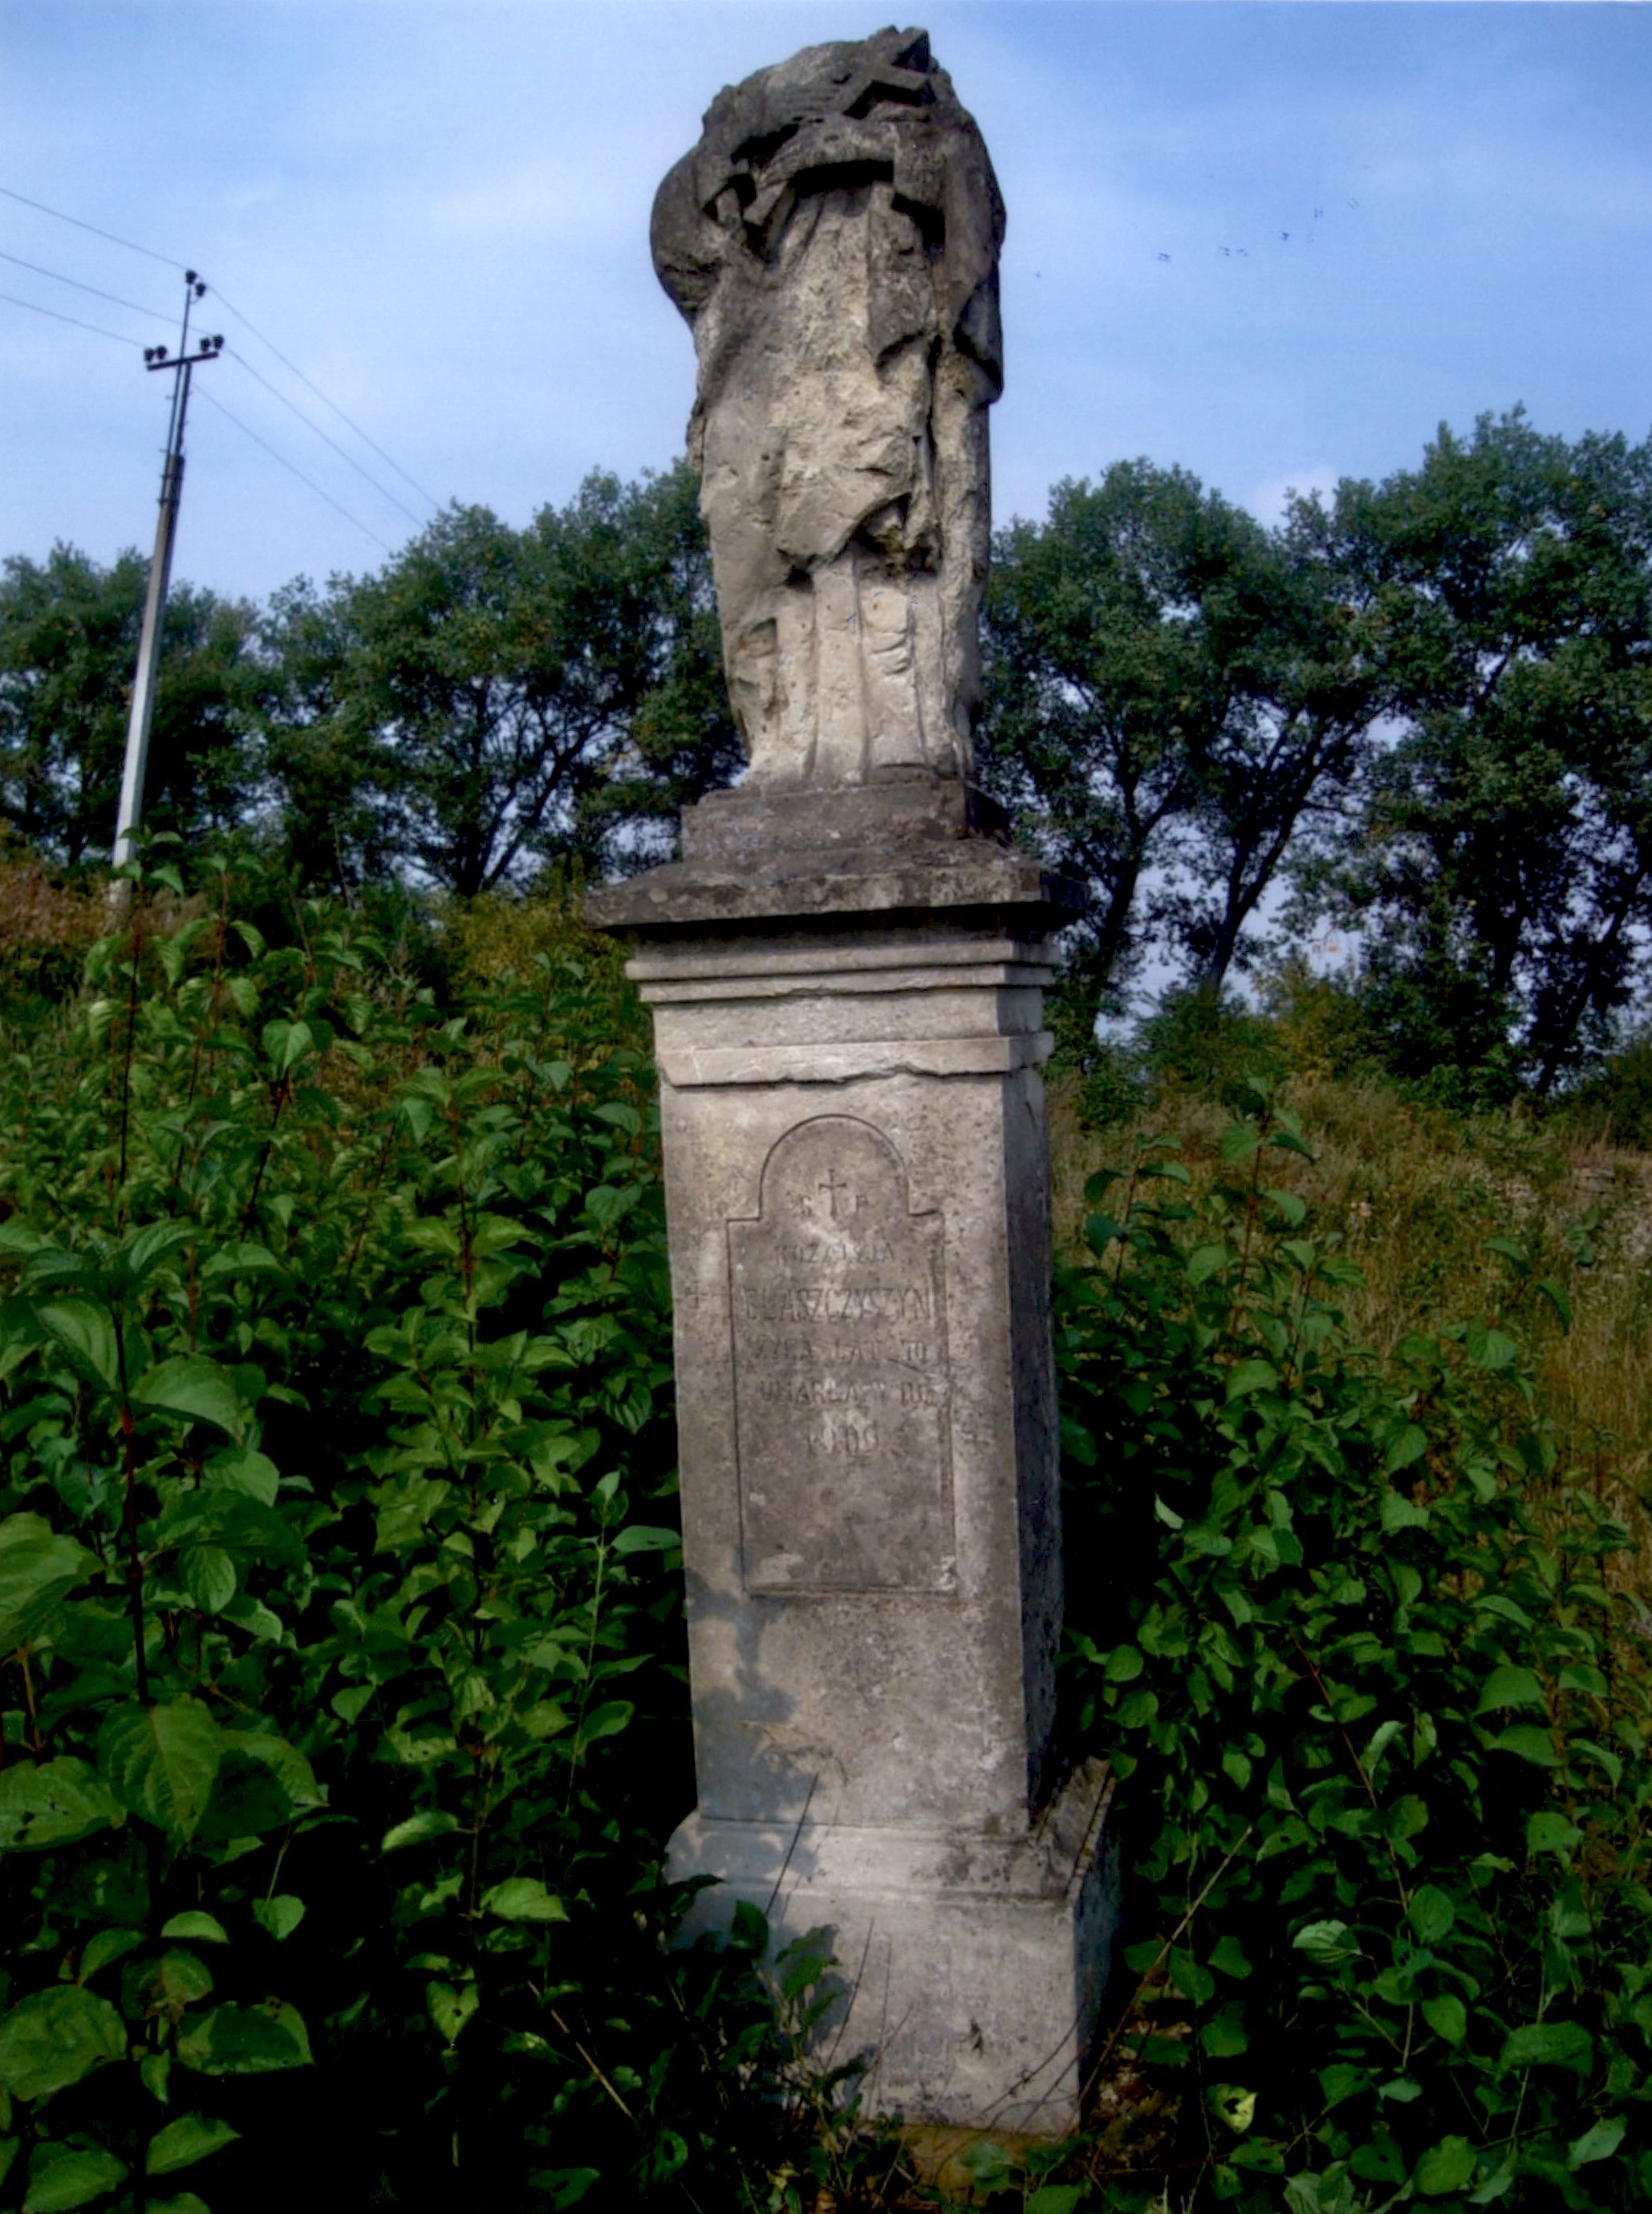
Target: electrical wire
x=57 y=278
x=120 y=337
x=131 y=244
x=383 y=491
x=212 y=399
x=225 y=301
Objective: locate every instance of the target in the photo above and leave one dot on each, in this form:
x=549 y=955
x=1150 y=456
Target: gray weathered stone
x=858 y=1190
x=833 y=240
x=845 y=972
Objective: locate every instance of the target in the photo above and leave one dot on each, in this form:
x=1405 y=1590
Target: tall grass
x=1416 y=1195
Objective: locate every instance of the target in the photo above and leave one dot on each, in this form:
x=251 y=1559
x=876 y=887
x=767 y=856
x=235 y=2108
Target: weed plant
x=343 y=1714
x=342 y=1684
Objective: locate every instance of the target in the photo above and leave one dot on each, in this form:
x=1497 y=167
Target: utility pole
x=130 y=813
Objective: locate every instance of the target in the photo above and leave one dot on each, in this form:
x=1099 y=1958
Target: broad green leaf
x=450 y=2010
x=38 y=1567
x=1446 y=2017
x=1490 y=1349
x=1227 y=1955
x=1597 y=2144
x=1445 y=2167
x=1224 y=2035
x=166 y=1983
x=431 y=1823
x=405 y=1506
x=86 y=1334
x=1409 y=1444
x=1247 y=1376
x=523 y=1899
x=1511 y=1687
x=184 y=2142
x=209 y=1577
x=103 y=1950
x=61 y=2177
x=238 y=1468
x=56 y=1802
x=280 y=1916
x=286 y=1044
x=1528 y=1742
x=1547 y=1831
x=245 y=2040
x=1055 y=2198
x=147 y=1249
x=204 y=1928
x=1342 y=2080
x=161 y=1762
x=1326 y=1943
x=256 y=1790
x=605 y=1721
x=1547 y=2044
x=1236 y=2106
x=1399 y=1513
x=639 y=1537
x=1430 y=1914
x=192 y=1387
x=55 y=2037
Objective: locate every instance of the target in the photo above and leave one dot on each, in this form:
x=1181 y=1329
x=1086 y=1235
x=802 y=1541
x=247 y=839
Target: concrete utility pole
x=130 y=812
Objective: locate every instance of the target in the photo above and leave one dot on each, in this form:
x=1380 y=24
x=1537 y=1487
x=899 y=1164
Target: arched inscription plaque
x=840 y=1377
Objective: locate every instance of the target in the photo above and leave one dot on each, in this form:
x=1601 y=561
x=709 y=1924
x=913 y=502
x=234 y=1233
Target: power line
x=388 y=459
x=383 y=491
x=120 y=337
x=57 y=278
x=130 y=244
x=167 y=260
x=215 y=402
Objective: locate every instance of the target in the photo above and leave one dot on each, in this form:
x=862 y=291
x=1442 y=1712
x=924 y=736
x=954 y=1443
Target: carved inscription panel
x=840 y=1376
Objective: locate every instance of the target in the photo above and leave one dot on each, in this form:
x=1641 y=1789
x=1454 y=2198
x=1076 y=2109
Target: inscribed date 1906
x=840 y=1377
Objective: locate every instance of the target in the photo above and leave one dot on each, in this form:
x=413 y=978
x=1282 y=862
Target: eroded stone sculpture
x=833 y=240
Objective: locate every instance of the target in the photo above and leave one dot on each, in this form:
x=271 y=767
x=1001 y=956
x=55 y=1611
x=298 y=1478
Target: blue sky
x=439 y=213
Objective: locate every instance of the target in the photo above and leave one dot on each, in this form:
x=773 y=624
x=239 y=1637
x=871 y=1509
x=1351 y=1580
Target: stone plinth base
x=970 y=1968
x=846 y=990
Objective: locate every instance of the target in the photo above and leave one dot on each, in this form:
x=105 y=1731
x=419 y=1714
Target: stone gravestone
x=846 y=971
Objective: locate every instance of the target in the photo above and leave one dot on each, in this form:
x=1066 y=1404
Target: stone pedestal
x=847 y=992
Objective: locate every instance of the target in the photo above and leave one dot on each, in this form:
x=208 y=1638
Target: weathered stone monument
x=846 y=970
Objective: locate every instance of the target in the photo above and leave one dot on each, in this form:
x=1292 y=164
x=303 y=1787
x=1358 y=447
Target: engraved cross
x=831 y=1183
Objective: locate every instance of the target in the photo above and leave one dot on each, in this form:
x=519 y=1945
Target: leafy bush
x=1353 y=1641
x=341 y=1630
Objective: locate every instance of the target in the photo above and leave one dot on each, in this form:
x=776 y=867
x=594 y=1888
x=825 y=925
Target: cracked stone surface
x=833 y=240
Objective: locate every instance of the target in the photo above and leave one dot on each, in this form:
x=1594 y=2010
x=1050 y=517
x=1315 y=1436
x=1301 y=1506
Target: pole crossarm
x=135 y=765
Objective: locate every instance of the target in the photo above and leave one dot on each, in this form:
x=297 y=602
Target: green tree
x=495 y=698
x=1500 y=862
x=1170 y=689
x=68 y=646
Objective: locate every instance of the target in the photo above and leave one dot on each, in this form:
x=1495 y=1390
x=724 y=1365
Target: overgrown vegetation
x=344 y=1713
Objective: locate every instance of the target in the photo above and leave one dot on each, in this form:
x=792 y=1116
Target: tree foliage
x=496 y=698
x=1172 y=691
x=1499 y=860
x=68 y=646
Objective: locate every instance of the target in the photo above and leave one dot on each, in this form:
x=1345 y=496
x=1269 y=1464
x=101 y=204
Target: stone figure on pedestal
x=845 y=972
x=833 y=240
